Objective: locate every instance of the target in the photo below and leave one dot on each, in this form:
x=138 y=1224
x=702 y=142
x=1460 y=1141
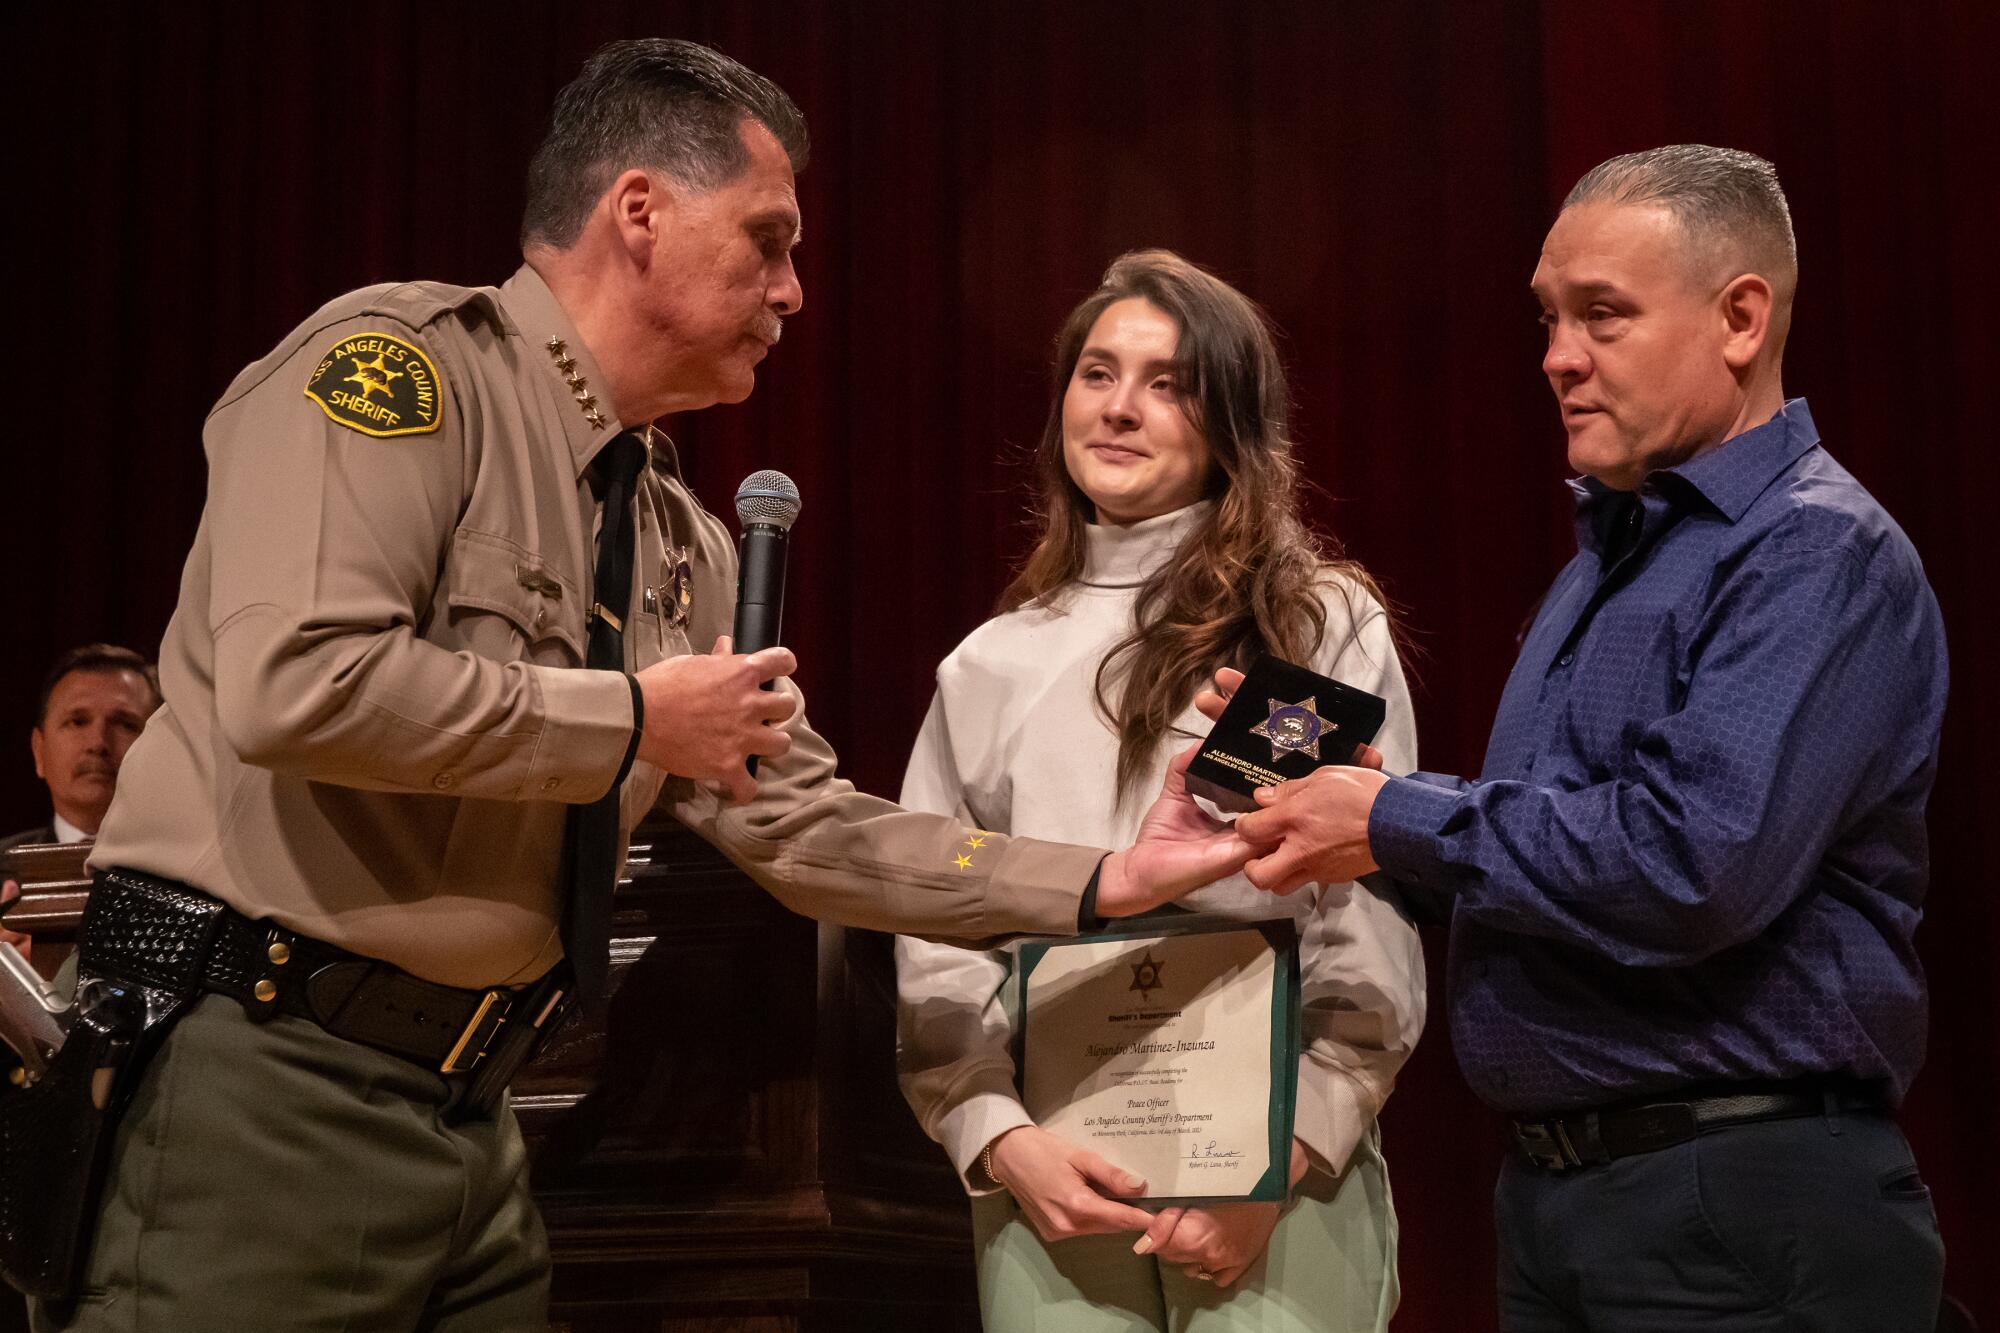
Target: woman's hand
x=1217 y=1243
x=1057 y=1185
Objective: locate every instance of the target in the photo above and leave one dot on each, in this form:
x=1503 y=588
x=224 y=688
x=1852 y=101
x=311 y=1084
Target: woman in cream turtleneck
x=1170 y=545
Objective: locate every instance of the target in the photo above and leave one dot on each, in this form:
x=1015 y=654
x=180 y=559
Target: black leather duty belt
x=483 y=1034
x=1587 y=1138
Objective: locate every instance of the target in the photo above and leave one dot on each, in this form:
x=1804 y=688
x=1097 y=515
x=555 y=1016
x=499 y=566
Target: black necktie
x=590 y=837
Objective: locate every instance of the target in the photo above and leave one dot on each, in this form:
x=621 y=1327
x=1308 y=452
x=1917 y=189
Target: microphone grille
x=767 y=497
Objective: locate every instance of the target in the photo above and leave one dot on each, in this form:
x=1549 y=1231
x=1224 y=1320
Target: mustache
x=768 y=326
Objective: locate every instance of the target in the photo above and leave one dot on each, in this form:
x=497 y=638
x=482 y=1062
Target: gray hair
x=1728 y=203
x=658 y=103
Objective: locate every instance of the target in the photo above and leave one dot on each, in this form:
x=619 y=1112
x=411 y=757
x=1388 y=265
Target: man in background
x=94 y=702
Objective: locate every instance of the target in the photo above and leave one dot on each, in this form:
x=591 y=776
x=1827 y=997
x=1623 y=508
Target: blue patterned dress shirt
x=1696 y=852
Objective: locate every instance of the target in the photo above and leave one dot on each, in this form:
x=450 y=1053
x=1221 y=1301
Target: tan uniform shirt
x=376 y=706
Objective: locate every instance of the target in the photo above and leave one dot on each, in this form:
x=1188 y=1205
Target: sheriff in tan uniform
x=380 y=712
x=375 y=711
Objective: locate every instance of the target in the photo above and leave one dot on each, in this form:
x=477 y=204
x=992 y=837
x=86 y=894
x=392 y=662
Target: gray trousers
x=274 y=1177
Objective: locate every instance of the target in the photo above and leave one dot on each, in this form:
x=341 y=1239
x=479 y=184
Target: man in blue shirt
x=1683 y=889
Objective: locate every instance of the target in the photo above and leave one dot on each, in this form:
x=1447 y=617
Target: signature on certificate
x=1201 y=1152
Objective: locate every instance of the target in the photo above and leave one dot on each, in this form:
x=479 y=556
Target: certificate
x=1170 y=1049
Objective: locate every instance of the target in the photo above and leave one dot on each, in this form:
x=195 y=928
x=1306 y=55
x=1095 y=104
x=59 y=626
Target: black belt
x=1586 y=1138
x=483 y=1035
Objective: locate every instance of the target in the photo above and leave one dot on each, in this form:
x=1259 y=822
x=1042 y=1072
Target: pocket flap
x=490 y=573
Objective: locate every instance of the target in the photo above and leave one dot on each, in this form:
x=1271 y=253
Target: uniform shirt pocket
x=508 y=603
x=655 y=638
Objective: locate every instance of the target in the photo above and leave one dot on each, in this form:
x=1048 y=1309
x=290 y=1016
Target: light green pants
x=272 y=1177
x=1330 y=1268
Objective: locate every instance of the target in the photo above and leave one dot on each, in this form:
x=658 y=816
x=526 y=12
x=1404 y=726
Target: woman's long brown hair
x=1248 y=579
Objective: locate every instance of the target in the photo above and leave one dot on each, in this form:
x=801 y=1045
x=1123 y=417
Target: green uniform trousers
x=1330 y=1267
x=271 y=1176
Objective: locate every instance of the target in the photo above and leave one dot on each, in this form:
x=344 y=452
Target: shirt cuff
x=586 y=733
x=975 y=1122
x=1037 y=888
x=1330 y=1114
x=638 y=730
x=1087 y=920
x=1403 y=829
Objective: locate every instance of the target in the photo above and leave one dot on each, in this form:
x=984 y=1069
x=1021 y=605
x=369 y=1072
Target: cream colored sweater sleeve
x=1362 y=968
x=954 y=1053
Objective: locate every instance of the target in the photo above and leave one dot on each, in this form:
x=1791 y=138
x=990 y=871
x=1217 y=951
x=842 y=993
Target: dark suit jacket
x=45 y=833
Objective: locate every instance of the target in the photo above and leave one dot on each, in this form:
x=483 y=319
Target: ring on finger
x=1201 y=1275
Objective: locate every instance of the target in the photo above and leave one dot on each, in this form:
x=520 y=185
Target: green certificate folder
x=1170 y=1046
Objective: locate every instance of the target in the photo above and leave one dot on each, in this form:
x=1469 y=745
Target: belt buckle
x=1546 y=1145
x=485 y=1021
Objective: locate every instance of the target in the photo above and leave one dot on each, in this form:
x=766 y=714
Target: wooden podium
x=728 y=1151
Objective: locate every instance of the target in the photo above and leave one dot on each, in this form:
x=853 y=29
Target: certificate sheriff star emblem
x=1146 y=975
x=1294 y=728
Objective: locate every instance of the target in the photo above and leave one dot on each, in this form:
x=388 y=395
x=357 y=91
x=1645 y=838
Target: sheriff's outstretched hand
x=1178 y=849
x=1312 y=830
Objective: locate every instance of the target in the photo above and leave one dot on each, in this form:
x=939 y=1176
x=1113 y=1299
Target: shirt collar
x=590 y=419
x=1727 y=478
x=1737 y=471
x=68 y=832
x=1125 y=557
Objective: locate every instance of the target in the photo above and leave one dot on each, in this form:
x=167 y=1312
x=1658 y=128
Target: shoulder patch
x=378 y=384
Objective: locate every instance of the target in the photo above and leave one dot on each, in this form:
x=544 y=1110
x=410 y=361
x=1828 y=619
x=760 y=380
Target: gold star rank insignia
x=1294 y=728
x=378 y=384
x=977 y=842
x=963 y=862
x=1146 y=975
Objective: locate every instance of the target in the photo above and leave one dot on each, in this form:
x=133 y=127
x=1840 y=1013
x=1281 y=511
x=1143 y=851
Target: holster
x=140 y=956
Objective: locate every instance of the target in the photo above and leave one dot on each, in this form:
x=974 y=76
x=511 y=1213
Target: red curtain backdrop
x=190 y=180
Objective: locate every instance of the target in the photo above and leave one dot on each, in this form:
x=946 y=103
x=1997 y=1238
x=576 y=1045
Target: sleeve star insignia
x=976 y=843
x=963 y=862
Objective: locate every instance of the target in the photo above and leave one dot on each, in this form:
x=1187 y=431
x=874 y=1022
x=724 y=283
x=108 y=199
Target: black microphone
x=767 y=504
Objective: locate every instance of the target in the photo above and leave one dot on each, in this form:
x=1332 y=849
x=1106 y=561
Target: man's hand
x=1057 y=1185
x=1217 y=1243
x=705 y=716
x=1178 y=848
x=8 y=893
x=1316 y=827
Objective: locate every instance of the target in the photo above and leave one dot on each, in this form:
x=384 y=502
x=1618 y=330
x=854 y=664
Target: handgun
x=34 y=1018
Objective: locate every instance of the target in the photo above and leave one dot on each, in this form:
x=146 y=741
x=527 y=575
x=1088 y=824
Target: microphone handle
x=760 y=592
